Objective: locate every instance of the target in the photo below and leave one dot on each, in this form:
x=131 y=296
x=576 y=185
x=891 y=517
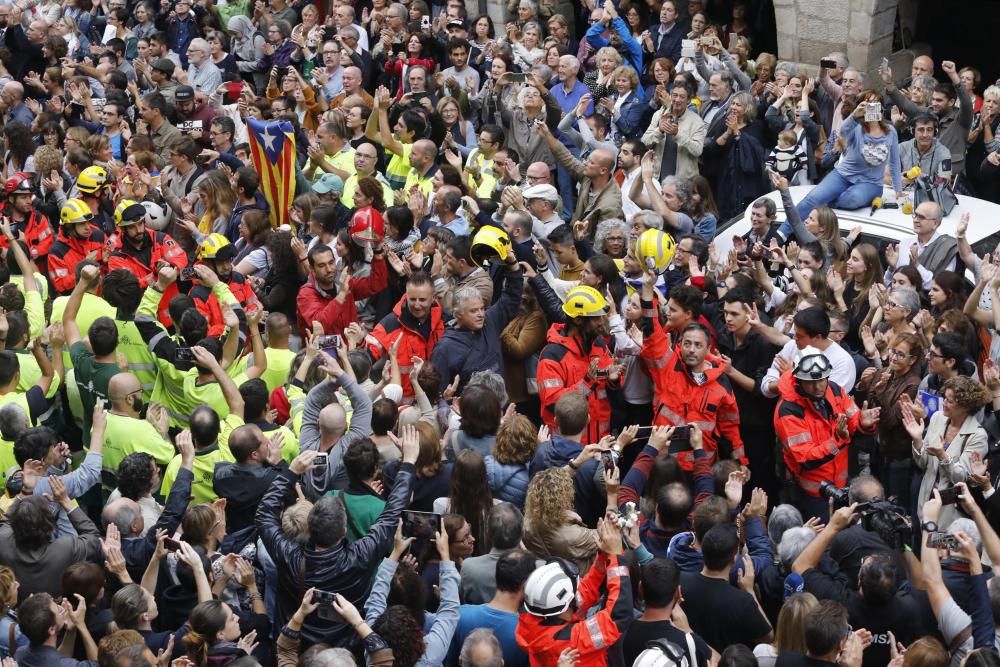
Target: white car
x=886 y=225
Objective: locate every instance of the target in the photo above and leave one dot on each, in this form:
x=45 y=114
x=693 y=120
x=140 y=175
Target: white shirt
x=629 y=207
x=904 y=259
x=844 y=370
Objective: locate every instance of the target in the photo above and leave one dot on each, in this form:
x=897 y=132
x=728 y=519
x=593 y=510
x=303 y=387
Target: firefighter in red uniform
x=576 y=358
x=815 y=420
x=216 y=252
x=556 y=619
x=138 y=249
x=78 y=239
x=689 y=384
x=27 y=224
x=417 y=320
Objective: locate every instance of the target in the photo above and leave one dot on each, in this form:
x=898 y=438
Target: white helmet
x=811 y=364
x=156 y=217
x=662 y=653
x=550 y=590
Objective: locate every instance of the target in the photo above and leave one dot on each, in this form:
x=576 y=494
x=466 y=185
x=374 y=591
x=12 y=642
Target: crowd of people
x=486 y=393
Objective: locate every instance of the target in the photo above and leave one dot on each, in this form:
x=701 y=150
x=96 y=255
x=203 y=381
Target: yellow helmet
x=655 y=249
x=92 y=179
x=490 y=244
x=583 y=301
x=129 y=212
x=75 y=211
x=215 y=247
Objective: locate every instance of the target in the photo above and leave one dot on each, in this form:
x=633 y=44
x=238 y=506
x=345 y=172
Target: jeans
x=567 y=186
x=837 y=192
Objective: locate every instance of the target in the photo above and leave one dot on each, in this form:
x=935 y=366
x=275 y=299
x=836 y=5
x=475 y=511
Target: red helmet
x=18 y=184
x=367 y=226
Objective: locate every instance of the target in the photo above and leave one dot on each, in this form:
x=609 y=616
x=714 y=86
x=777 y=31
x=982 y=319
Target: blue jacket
x=689 y=559
x=554 y=453
x=462 y=352
x=629 y=121
x=671 y=45
x=508 y=481
x=629 y=48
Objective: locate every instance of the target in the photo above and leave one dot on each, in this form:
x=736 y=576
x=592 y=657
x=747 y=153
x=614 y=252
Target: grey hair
x=353 y=32
x=398 y=9
x=492 y=381
x=969 y=527
x=783 y=518
x=481 y=636
x=284 y=26
x=200 y=43
x=605 y=227
x=505 y=526
x=908 y=299
x=788 y=68
x=543 y=71
x=682 y=185
x=327 y=521
x=123 y=518
x=861 y=75
x=574 y=62
x=841 y=58
x=534 y=8
x=331 y=657
x=724 y=76
x=651 y=219
x=13 y=420
x=463 y=294
x=793 y=543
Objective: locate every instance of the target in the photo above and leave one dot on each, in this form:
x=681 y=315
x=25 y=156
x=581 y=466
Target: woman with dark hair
x=213 y=636
x=521 y=341
x=740 y=152
x=53 y=135
x=253 y=258
x=86 y=579
x=947 y=291
x=218 y=43
x=481 y=411
x=482 y=34
x=418 y=53
x=470 y=497
x=54 y=49
x=703 y=211
x=400 y=233
x=282 y=282
x=20 y=149
x=433 y=473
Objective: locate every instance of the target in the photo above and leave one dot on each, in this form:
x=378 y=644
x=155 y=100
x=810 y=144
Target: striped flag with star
x=272 y=147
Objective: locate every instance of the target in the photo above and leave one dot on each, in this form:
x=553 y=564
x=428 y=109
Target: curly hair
x=550 y=495
x=135 y=475
x=970 y=395
x=7 y=584
x=403 y=634
x=516 y=441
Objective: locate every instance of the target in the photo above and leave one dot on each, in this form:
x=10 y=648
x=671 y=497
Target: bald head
x=126 y=514
x=13 y=91
x=122 y=390
x=422 y=154
x=244 y=441
x=332 y=423
x=538 y=174
x=605 y=158
x=922 y=65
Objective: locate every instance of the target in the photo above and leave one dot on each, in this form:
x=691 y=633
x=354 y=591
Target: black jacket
x=138 y=551
x=346 y=568
x=242 y=486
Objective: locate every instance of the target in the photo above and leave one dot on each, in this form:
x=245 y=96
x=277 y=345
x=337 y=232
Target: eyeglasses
x=919 y=217
x=899 y=355
x=216 y=133
x=890 y=304
x=934 y=355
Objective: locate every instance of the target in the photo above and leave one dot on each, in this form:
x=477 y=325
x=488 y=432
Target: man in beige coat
x=676 y=134
x=599 y=198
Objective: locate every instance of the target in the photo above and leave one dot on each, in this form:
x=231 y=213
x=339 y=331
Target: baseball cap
x=458 y=23
x=165 y=65
x=184 y=94
x=543 y=191
x=328 y=183
x=133 y=214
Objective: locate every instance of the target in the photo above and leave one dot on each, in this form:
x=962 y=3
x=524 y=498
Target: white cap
x=543 y=191
x=393 y=392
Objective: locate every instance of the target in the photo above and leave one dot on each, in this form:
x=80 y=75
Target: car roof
x=890 y=224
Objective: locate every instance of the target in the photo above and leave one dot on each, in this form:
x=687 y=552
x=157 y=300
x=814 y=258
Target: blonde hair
x=790 y=635
x=550 y=496
x=628 y=72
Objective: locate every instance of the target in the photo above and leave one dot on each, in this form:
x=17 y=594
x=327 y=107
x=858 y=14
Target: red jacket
x=208 y=304
x=812 y=450
x=543 y=639
x=142 y=263
x=562 y=367
x=416 y=341
x=67 y=252
x=38 y=235
x=678 y=399
x=313 y=304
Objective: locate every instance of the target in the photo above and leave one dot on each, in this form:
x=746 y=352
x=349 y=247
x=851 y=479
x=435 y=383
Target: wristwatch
x=929 y=526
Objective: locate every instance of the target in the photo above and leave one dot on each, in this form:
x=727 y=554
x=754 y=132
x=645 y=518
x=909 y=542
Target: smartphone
x=170 y=544
x=732 y=39
x=828 y=63
x=944 y=171
x=332 y=341
x=517 y=77
x=610 y=460
x=326 y=610
x=873 y=112
x=650 y=263
x=282 y=71
x=416 y=97
x=682 y=432
x=707 y=41
x=946 y=540
x=319 y=461
x=602 y=373
x=188 y=273
x=680 y=444
x=184 y=354
x=885 y=64
x=399 y=48
x=425 y=22
x=950 y=495
x=687 y=48
x=421 y=525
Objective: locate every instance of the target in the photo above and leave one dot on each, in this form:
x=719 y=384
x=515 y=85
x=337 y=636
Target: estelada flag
x=272 y=147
